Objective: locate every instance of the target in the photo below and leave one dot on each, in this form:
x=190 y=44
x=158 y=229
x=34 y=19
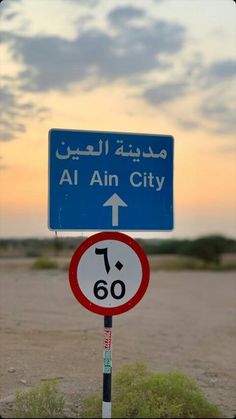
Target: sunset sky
x=153 y=66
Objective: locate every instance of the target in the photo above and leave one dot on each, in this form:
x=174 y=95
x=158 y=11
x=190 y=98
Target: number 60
x=100 y=291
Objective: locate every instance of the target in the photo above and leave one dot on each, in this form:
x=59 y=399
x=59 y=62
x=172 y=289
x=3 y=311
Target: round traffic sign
x=109 y=273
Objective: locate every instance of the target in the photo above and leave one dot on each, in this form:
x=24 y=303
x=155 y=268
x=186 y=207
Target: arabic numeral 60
x=117 y=289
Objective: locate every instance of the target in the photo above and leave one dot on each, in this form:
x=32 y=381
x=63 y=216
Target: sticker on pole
x=109 y=273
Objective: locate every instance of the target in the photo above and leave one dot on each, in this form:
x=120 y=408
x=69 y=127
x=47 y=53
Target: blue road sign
x=110 y=181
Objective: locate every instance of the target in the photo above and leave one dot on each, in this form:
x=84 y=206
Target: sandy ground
x=185 y=321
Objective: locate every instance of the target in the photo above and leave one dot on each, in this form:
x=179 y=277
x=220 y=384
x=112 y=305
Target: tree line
x=207 y=248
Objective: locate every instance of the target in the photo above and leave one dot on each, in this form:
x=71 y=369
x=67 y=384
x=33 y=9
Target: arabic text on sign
x=103 y=148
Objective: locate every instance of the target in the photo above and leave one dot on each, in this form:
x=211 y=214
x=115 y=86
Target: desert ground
x=185 y=321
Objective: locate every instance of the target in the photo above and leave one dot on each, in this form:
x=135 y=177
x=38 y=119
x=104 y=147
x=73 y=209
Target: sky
x=155 y=67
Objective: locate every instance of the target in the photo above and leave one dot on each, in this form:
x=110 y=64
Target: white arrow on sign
x=115 y=202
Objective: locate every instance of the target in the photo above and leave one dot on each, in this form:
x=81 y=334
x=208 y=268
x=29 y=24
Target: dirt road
x=185 y=321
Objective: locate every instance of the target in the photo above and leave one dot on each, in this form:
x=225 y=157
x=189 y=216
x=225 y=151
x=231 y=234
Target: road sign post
x=109 y=181
x=107 y=367
x=125 y=179
x=109 y=274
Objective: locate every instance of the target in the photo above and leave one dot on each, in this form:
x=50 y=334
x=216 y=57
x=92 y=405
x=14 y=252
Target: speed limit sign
x=109 y=273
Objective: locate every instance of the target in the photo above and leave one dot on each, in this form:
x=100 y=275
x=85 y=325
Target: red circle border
x=108 y=235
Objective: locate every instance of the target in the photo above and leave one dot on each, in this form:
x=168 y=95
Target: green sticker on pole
x=107 y=362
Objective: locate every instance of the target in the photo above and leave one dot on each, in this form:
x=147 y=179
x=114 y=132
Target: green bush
x=208 y=248
x=180 y=263
x=44 y=401
x=44 y=263
x=138 y=393
x=32 y=253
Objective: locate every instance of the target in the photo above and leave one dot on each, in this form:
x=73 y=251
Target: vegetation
x=44 y=263
x=39 y=247
x=44 y=401
x=58 y=246
x=201 y=253
x=138 y=393
x=180 y=263
x=209 y=249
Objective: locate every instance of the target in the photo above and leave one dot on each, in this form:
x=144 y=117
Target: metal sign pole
x=113 y=295
x=107 y=367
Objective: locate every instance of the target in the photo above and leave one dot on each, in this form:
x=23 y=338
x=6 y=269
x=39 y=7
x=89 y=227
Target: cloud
x=214 y=113
x=216 y=83
x=221 y=113
x=221 y=70
x=213 y=89
x=94 y=56
x=164 y=93
x=11 y=16
x=125 y=15
x=13 y=111
x=132 y=47
x=188 y=124
x=9 y=110
x=6 y=9
x=6 y=4
x=3 y=166
x=54 y=63
x=86 y=3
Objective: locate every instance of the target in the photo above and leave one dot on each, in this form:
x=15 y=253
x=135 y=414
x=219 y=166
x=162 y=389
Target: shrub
x=44 y=263
x=44 y=401
x=209 y=248
x=138 y=393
